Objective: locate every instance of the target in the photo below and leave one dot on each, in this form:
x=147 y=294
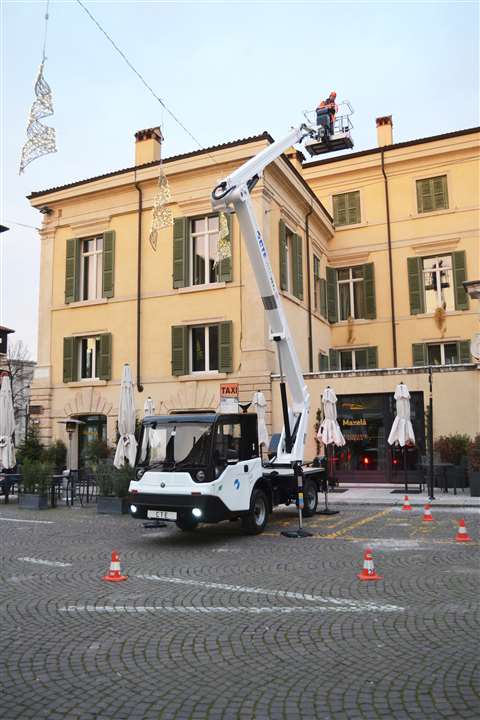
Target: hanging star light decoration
x=224 y=246
x=41 y=139
x=161 y=215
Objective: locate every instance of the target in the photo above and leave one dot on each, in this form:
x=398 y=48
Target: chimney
x=384 y=130
x=148 y=144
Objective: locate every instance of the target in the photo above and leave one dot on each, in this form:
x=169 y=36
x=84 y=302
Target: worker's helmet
x=333 y=94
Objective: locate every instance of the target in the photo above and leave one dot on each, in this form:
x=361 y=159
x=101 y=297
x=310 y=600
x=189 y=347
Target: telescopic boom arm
x=234 y=192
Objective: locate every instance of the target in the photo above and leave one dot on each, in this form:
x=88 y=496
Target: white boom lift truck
x=207 y=467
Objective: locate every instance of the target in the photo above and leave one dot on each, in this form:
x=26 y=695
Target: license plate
x=161 y=515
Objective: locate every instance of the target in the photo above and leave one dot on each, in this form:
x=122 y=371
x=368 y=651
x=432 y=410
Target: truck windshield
x=178 y=445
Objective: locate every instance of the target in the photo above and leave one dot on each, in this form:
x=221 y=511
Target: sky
x=227 y=70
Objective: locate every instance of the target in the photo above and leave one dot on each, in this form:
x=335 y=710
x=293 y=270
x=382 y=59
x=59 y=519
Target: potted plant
x=112 y=485
x=452 y=448
x=474 y=466
x=36 y=477
x=56 y=454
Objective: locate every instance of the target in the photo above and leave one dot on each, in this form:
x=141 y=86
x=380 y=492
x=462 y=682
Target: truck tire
x=254 y=523
x=186 y=523
x=310 y=497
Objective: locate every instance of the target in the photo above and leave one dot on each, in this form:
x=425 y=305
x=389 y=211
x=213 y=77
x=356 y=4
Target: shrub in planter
x=474 y=466
x=36 y=476
x=452 y=448
x=56 y=454
x=112 y=484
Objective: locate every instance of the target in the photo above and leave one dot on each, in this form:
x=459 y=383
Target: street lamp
x=71 y=425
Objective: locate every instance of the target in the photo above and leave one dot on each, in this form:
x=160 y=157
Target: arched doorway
x=93 y=430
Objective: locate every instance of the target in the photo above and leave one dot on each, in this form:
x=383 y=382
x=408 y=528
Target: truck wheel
x=310 y=498
x=186 y=523
x=254 y=523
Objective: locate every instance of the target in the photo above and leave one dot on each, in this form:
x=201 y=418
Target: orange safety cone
x=114 y=574
x=406 y=504
x=462 y=535
x=427 y=513
x=368 y=572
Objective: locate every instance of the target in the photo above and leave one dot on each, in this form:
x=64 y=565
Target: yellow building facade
x=370 y=250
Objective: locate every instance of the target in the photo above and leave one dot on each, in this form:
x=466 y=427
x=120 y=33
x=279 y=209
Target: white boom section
x=235 y=191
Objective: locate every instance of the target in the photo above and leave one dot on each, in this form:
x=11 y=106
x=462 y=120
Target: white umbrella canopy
x=329 y=431
x=153 y=438
x=402 y=431
x=7 y=426
x=260 y=405
x=127 y=445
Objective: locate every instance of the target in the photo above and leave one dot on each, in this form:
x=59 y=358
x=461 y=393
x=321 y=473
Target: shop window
x=432 y=194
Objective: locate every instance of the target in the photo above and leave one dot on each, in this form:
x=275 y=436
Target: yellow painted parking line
x=356 y=524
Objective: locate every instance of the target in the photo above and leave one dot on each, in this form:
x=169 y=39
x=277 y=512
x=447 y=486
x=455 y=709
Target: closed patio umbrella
x=153 y=438
x=330 y=434
x=7 y=426
x=260 y=405
x=402 y=431
x=127 y=444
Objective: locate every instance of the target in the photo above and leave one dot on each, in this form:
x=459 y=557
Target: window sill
x=84 y=303
x=213 y=375
x=293 y=298
x=429 y=213
x=431 y=316
x=357 y=321
x=200 y=288
x=352 y=226
x=85 y=383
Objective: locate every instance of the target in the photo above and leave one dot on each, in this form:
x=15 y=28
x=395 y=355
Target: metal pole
x=430 y=432
x=405 y=479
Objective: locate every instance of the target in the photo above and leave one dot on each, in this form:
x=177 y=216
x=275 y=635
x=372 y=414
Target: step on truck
x=208 y=467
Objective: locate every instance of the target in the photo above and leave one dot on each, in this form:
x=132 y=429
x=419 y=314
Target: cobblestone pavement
x=215 y=625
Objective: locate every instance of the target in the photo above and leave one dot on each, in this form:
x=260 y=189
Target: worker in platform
x=326 y=112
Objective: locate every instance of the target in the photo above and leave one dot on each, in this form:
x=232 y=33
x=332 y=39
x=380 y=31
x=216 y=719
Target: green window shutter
x=105 y=365
x=282 y=246
x=424 y=196
x=369 y=281
x=179 y=350
x=72 y=270
x=459 y=265
x=323 y=362
x=463 y=351
x=180 y=252
x=323 y=297
x=440 y=192
x=415 y=285
x=108 y=263
x=297 y=267
x=225 y=265
x=333 y=359
x=340 y=209
x=225 y=347
x=353 y=207
x=419 y=354
x=69 y=359
x=332 y=305
x=372 y=357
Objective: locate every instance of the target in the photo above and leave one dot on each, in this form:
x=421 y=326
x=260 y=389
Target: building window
x=432 y=194
x=88 y=358
x=438 y=283
x=351 y=293
x=204 y=348
x=346 y=208
x=291 y=261
x=316 y=283
x=353 y=359
x=443 y=354
x=91 y=268
x=203 y=248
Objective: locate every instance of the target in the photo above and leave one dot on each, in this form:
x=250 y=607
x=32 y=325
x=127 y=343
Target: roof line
x=224 y=146
x=393 y=146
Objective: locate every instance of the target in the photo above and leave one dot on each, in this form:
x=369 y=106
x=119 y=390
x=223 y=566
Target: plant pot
x=107 y=505
x=474 y=479
x=31 y=501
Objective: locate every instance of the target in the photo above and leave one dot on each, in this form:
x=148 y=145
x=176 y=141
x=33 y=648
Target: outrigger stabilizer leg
x=300 y=532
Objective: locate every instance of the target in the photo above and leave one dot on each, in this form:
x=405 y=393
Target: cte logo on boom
x=261 y=244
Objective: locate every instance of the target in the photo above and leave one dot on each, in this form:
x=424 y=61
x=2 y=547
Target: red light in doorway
x=366 y=461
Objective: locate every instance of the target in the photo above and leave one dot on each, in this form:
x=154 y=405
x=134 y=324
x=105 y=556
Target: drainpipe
x=390 y=262
x=310 y=340
x=139 y=280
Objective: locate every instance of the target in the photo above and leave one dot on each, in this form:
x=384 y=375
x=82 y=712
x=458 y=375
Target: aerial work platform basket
x=331 y=136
